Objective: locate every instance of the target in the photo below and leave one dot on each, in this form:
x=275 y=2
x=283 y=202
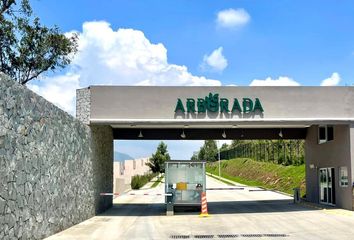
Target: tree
x=201 y=153
x=157 y=160
x=195 y=156
x=27 y=48
x=235 y=143
x=208 y=151
x=225 y=146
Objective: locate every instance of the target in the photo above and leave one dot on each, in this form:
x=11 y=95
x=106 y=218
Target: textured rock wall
x=83 y=104
x=102 y=150
x=50 y=166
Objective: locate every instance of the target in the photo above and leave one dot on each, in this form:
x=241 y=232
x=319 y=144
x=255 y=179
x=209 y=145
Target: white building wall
x=125 y=170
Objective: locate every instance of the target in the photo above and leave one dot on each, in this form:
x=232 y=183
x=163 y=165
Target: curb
x=238 y=184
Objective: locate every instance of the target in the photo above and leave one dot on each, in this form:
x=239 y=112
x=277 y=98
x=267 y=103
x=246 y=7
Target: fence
x=286 y=152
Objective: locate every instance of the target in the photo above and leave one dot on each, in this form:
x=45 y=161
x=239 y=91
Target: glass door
x=327 y=190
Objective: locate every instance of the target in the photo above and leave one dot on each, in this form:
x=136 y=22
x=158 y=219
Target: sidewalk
x=226 y=180
x=149 y=184
x=243 y=185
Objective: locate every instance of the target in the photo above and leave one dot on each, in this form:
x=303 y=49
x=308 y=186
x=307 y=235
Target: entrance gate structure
x=323 y=116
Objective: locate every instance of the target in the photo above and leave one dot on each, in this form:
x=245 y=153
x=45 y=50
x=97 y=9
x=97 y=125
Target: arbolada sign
x=213 y=103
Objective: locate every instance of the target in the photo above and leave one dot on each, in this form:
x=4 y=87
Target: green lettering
x=224 y=105
x=190 y=105
x=212 y=102
x=247 y=105
x=258 y=105
x=201 y=105
x=236 y=106
x=179 y=106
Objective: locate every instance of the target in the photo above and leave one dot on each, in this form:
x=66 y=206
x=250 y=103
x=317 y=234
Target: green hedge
x=139 y=181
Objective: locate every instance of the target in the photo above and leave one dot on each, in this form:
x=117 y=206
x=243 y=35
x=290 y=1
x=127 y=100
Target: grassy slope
x=158 y=181
x=263 y=174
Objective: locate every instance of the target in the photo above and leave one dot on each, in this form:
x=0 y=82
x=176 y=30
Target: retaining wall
x=52 y=166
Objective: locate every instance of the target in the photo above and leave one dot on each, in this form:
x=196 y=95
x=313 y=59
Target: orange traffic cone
x=204 y=212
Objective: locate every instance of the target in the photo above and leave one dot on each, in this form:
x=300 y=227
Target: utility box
x=185 y=180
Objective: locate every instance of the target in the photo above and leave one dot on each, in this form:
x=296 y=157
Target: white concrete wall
x=123 y=172
x=140 y=102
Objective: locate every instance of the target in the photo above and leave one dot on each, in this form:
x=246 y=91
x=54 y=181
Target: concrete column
x=83 y=105
x=102 y=159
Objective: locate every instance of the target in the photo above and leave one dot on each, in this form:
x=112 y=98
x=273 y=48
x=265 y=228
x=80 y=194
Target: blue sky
x=211 y=42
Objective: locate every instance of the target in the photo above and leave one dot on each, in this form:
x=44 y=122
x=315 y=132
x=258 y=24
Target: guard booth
x=184 y=181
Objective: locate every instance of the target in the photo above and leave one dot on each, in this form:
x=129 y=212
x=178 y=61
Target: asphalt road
x=250 y=213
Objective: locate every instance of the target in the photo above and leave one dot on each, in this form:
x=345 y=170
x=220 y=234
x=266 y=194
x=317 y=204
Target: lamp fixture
x=281 y=133
x=140 y=135
x=183 y=135
x=223 y=134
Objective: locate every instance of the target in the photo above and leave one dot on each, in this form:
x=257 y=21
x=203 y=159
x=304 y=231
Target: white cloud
x=281 y=81
x=126 y=56
x=231 y=18
x=60 y=90
x=215 y=61
x=122 y=57
x=333 y=80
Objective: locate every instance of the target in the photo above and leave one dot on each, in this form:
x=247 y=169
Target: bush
x=139 y=181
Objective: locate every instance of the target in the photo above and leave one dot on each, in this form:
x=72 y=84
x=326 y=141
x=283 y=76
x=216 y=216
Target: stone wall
x=52 y=166
x=83 y=105
x=102 y=153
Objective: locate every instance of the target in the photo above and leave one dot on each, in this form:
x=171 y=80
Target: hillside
x=118 y=156
x=264 y=174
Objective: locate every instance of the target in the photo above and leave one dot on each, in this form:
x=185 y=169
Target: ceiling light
x=140 y=135
x=223 y=134
x=183 y=135
x=281 y=133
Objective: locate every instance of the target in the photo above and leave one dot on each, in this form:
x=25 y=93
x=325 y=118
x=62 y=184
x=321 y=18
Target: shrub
x=139 y=181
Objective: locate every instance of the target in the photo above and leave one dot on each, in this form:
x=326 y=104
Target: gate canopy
x=149 y=112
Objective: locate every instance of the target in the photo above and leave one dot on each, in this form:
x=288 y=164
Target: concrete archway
x=240 y=113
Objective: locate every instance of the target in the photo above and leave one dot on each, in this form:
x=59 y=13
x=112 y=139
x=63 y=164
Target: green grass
x=262 y=174
x=139 y=181
x=158 y=181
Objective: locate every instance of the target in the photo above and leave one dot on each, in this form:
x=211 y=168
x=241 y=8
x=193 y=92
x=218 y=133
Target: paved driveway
x=236 y=214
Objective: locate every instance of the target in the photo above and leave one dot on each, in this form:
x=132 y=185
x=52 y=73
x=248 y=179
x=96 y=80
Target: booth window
x=325 y=134
x=343 y=177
